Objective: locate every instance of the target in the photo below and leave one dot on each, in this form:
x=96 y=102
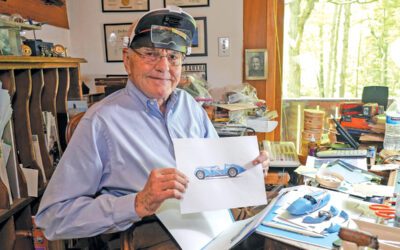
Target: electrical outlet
x=223 y=46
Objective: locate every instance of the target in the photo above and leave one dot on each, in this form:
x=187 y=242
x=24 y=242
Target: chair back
x=71 y=126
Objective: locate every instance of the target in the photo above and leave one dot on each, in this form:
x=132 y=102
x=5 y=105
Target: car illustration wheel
x=200 y=175
x=232 y=172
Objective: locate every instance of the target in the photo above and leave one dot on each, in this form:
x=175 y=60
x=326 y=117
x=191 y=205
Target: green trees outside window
x=333 y=48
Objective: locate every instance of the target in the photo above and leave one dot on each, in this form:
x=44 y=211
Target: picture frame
x=199 y=45
x=125 y=5
x=187 y=3
x=113 y=40
x=116 y=75
x=256 y=64
x=197 y=70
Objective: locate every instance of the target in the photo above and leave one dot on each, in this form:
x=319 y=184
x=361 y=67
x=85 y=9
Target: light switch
x=223 y=46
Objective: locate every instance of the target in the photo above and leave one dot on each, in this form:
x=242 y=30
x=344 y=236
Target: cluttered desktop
x=345 y=193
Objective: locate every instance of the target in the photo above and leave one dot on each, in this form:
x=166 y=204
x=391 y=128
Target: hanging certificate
x=125 y=5
x=187 y=3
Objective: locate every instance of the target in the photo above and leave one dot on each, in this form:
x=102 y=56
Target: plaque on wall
x=187 y=3
x=113 y=36
x=125 y=5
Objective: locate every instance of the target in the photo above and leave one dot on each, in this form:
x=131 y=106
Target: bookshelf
x=35 y=84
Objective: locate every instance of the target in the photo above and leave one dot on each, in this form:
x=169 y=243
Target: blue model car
x=309 y=203
x=230 y=170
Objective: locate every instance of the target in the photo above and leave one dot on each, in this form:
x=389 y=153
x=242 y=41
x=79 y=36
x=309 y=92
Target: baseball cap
x=168 y=28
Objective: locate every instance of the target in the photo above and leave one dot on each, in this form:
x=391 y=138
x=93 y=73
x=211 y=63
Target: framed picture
x=197 y=70
x=199 y=45
x=125 y=5
x=117 y=75
x=187 y=3
x=256 y=64
x=113 y=38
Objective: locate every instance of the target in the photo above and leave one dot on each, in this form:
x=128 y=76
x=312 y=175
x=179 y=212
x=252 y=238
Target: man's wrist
x=140 y=206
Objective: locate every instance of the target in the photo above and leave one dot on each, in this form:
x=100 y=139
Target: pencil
x=292 y=229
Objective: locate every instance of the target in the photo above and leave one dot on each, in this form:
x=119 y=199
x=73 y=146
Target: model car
x=309 y=203
x=230 y=170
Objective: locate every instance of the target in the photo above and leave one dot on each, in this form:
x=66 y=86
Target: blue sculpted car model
x=230 y=170
x=309 y=203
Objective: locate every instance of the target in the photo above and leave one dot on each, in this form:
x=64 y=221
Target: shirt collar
x=133 y=90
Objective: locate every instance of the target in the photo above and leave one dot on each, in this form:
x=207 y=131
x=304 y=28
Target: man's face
x=155 y=79
x=255 y=63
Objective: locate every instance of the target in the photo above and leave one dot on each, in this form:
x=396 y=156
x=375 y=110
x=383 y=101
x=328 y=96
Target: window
x=332 y=49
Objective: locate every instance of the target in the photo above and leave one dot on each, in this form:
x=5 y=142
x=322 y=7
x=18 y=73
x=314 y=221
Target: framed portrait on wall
x=256 y=64
x=125 y=5
x=113 y=38
x=187 y=3
x=199 y=44
x=197 y=70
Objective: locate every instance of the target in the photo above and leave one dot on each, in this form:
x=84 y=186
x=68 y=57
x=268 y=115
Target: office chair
x=71 y=126
x=375 y=94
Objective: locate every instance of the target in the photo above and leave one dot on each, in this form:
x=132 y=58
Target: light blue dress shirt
x=109 y=158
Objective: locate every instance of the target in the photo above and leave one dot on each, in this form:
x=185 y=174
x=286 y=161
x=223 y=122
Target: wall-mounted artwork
x=187 y=3
x=125 y=5
x=197 y=70
x=199 y=44
x=113 y=38
x=256 y=64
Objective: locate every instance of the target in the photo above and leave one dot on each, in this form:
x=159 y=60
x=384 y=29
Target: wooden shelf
x=38 y=62
x=6 y=24
x=35 y=84
x=40 y=59
x=18 y=204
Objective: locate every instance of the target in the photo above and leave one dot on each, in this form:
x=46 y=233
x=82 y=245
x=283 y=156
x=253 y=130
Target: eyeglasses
x=153 y=56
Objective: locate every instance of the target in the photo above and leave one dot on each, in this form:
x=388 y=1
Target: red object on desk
x=384 y=211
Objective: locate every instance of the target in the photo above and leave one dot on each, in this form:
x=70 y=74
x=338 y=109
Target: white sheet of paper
x=193 y=231
x=5 y=109
x=385 y=167
x=11 y=164
x=369 y=189
x=220 y=192
x=6 y=149
x=238 y=231
x=38 y=156
x=261 y=124
x=3 y=170
x=32 y=177
x=317 y=162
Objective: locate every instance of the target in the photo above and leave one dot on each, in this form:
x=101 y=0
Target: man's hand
x=162 y=184
x=263 y=158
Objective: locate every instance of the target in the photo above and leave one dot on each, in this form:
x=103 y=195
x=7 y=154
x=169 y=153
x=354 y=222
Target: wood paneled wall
x=263 y=29
x=36 y=10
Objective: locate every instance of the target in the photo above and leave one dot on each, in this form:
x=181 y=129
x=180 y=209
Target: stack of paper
x=5 y=116
x=38 y=156
x=5 y=109
x=4 y=154
x=50 y=129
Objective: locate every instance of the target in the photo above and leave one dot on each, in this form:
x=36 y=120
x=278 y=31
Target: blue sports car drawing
x=230 y=170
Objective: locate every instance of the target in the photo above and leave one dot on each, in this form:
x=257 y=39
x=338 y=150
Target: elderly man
x=119 y=165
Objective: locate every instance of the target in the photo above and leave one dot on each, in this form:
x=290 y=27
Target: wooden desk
x=259 y=242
